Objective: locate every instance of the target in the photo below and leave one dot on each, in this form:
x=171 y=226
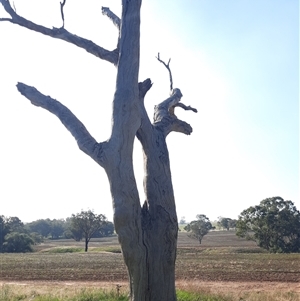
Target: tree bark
x=148 y=233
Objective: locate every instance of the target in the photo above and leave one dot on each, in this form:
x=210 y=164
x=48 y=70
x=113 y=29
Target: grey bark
x=148 y=233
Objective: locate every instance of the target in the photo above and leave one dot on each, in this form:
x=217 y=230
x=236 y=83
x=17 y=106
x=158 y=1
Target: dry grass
x=233 y=291
x=61 y=289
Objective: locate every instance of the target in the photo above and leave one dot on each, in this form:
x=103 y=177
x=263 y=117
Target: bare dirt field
x=223 y=263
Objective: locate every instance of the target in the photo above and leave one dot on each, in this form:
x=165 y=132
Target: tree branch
x=62 y=34
x=114 y=18
x=168 y=67
x=164 y=115
x=116 y=21
x=186 y=108
x=62 y=4
x=84 y=139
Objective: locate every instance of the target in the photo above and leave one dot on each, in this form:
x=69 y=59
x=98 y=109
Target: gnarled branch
x=62 y=34
x=165 y=118
x=166 y=108
x=164 y=115
x=84 y=139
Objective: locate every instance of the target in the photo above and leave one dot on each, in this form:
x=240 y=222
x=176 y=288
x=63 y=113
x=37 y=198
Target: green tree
x=15 y=224
x=274 y=225
x=16 y=242
x=226 y=223
x=232 y=223
x=107 y=229
x=36 y=237
x=4 y=230
x=199 y=228
x=87 y=223
x=41 y=226
x=74 y=233
x=57 y=228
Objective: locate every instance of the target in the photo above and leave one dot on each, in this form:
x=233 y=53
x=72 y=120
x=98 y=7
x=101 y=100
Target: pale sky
x=236 y=61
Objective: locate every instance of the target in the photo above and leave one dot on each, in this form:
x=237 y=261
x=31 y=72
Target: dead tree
x=147 y=233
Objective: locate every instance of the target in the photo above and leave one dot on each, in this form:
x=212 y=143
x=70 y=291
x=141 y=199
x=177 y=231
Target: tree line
x=274 y=225
x=16 y=236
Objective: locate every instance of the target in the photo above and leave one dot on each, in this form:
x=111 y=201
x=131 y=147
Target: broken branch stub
x=114 y=18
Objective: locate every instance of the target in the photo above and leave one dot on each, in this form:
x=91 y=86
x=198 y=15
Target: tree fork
x=148 y=234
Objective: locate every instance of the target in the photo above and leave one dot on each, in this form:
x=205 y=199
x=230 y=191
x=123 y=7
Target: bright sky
x=237 y=62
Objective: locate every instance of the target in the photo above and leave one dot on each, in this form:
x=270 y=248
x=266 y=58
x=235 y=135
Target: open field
x=223 y=262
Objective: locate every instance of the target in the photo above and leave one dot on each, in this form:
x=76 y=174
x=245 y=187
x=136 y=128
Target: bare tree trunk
x=160 y=226
x=148 y=233
x=86 y=242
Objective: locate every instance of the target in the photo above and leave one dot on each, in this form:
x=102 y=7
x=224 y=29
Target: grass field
x=223 y=264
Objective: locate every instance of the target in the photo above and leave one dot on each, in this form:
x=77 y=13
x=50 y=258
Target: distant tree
x=36 y=237
x=15 y=224
x=232 y=223
x=41 y=226
x=4 y=230
x=87 y=223
x=16 y=242
x=107 y=229
x=15 y=236
x=57 y=228
x=76 y=234
x=199 y=228
x=182 y=220
x=226 y=223
x=274 y=225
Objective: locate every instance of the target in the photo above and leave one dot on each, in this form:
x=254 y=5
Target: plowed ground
x=221 y=258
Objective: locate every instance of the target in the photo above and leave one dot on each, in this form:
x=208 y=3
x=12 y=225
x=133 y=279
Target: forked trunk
x=148 y=233
x=148 y=240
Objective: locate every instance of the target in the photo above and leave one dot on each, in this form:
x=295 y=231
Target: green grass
x=190 y=296
x=59 y=250
x=111 y=249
